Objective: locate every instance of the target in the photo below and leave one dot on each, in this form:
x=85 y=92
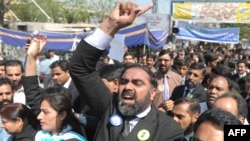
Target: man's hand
x=167 y=105
x=123 y=14
x=36 y=46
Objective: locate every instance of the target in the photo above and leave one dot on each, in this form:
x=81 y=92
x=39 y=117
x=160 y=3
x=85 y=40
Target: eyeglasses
x=194 y=139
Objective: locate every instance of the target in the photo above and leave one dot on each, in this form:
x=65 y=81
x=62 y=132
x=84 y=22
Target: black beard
x=189 y=129
x=190 y=84
x=163 y=70
x=4 y=101
x=132 y=110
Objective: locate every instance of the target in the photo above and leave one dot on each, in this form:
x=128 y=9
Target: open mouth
x=128 y=99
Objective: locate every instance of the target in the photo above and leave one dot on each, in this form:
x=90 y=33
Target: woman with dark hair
x=57 y=120
x=19 y=121
x=52 y=106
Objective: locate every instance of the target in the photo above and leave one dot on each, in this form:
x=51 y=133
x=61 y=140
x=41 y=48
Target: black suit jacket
x=198 y=92
x=241 y=81
x=104 y=104
x=79 y=104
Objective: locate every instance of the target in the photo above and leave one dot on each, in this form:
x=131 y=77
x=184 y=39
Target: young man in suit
x=61 y=77
x=240 y=76
x=15 y=72
x=129 y=114
x=186 y=111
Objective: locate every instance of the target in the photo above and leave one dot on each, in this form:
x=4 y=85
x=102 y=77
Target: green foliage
x=61 y=11
x=244 y=29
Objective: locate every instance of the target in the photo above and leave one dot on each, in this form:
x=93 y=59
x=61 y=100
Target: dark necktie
x=187 y=91
x=126 y=128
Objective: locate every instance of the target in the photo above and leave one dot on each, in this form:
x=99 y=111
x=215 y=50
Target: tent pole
x=144 y=49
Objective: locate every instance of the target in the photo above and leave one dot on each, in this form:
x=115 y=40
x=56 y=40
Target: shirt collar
x=144 y=113
x=188 y=136
x=243 y=75
x=189 y=89
x=20 y=90
x=247 y=97
x=66 y=85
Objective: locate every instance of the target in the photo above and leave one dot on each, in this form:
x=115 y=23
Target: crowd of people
x=175 y=95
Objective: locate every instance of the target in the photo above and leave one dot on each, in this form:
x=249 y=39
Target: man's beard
x=164 y=69
x=17 y=85
x=189 y=129
x=4 y=102
x=190 y=84
x=138 y=107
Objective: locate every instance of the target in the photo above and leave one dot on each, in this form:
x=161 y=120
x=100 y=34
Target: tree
x=3 y=10
x=101 y=8
x=75 y=11
x=28 y=11
x=61 y=11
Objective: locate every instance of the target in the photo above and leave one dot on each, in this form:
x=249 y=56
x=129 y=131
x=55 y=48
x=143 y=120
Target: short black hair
x=218 y=118
x=194 y=105
x=111 y=71
x=210 y=57
x=63 y=64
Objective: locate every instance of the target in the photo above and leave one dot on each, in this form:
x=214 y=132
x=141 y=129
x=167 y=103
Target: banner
x=216 y=35
x=140 y=34
x=213 y=12
x=56 y=41
x=154 y=21
x=133 y=36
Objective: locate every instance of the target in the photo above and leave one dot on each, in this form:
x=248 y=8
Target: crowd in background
x=174 y=95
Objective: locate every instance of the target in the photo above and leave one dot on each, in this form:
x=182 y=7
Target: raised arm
x=89 y=50
x=31 y=85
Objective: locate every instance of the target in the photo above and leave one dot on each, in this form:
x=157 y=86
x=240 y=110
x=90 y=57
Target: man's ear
x=153 y=93
x=116 y=85
x=195 y=117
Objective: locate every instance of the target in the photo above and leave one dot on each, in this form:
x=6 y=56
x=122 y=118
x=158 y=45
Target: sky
x=163 y=5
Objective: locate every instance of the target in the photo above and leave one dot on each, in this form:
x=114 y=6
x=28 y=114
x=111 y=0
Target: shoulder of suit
x=200 y=87
x=174 y=74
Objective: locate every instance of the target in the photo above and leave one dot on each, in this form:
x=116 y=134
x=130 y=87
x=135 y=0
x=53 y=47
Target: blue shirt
x=3 y=134
x=44 y=66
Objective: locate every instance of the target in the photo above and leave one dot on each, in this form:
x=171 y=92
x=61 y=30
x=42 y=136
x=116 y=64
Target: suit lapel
x=182 y=91
x=197 y=91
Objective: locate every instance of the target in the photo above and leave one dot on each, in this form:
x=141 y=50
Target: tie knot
x=187 y=92
x=129 y=118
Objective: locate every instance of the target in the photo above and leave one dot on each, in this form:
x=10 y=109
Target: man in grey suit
x=192 y=87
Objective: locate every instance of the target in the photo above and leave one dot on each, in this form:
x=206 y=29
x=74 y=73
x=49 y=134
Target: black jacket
x=104 y=104
x=199 y=93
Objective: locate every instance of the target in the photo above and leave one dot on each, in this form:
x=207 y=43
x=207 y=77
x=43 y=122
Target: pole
x=155 y=8
x=49 y=19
